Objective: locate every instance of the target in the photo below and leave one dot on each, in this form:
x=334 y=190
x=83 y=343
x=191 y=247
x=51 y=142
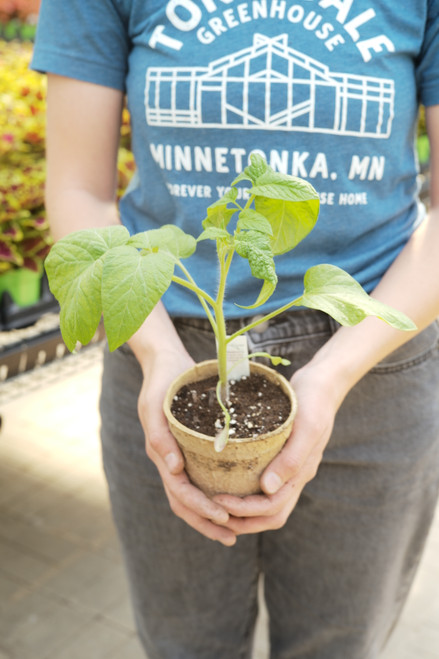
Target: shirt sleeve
x=83 y=40
x=427 y=71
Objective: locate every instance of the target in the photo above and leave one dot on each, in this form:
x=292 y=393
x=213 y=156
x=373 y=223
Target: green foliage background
x=24 y=231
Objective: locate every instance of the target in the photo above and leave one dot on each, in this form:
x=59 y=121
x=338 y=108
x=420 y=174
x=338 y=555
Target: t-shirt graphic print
x=270 y=86
x=326 y=90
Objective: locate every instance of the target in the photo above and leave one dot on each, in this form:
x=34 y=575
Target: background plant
x=24 y=231
x=22 y=102
x=18 y=17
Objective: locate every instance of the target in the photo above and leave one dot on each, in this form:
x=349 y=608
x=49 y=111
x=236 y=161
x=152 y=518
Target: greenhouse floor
x=63 y=591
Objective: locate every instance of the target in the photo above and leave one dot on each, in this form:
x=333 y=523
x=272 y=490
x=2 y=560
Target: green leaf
x=251 y=220
x=213 y=233
x=227 y=198
x=169 y=238
x=151 y=240
x=255 y=247
x=291 y=222
x=275 y=360
x=132 y=284
x=335 y=292
x=291 y=205
x=218 y=215
x=266 y=292
x=276 y=185
x=258 y=166
x=74 y=270
x=241 y=177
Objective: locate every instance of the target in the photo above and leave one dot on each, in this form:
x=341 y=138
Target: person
x=328 y=90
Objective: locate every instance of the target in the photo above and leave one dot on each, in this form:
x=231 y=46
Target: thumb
x=159 y=441
x=285 y=466
x=300 y=458
x=290 y=462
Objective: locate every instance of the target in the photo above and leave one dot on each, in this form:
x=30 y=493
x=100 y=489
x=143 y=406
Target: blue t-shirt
x=326 y=89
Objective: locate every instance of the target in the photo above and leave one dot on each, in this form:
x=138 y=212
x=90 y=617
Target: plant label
x=237 y=358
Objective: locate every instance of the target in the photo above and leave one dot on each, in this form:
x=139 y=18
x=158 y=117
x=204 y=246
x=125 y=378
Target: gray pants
x=338 y=573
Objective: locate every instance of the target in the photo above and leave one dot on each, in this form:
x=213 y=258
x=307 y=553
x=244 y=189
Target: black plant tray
x=25 y=349
x=30 y=352
x=13 y=317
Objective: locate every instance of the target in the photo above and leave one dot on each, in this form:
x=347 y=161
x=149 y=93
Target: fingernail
x=272 y=483
x=229 y=542
x=221 y=517
x=171 y=461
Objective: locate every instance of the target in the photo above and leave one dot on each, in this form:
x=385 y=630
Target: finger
x=251 y=506
x=183 y=495
x=259 y=505
x=246 y=525
x=163 y=450
x=249 y=525
x=204 y=526
x=306 y=441
x=159 y=442
x=161 y=445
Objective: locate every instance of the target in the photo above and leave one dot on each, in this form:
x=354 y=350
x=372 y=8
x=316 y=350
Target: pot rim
x=286 y=387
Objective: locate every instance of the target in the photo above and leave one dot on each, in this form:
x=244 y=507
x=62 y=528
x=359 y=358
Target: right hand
x=186 y=500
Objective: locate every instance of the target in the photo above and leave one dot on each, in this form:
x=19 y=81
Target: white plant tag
x=237 y=358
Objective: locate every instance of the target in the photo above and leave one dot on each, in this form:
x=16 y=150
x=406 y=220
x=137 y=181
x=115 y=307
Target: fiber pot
x=238 y=468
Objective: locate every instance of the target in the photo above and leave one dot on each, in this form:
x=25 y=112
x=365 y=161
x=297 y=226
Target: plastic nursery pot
x=22 y=284
x=238 y=468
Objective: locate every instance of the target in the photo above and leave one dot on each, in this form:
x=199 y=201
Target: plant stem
x=222 y=437
x=203 y=297
x=263 y=319
x=221 y=325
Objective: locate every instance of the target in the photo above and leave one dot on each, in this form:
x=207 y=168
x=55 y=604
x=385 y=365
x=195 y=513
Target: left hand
x=297 y=463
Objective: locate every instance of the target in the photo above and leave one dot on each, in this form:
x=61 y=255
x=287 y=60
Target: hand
x=297 y=463
x=186 y=500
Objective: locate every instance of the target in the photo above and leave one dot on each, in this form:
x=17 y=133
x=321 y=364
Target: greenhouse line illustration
x=270 y=86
